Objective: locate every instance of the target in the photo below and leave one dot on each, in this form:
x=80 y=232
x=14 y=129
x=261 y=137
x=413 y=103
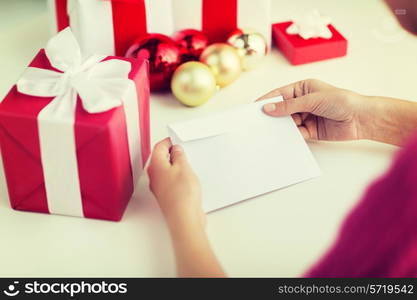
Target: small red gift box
x=74 y=135
x=300 y=51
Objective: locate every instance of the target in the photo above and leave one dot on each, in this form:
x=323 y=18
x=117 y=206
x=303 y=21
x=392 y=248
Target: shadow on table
x=165 y=99
x=360 y=147
x=143 y=211
x=4 y=197
x=4 y=203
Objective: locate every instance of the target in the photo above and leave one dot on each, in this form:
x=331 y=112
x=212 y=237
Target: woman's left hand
x=175 y=185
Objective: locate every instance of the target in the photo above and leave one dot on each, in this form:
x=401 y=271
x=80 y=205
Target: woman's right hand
x=324 y=112
x=321 y=111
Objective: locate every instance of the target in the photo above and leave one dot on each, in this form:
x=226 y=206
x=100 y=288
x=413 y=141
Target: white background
x=278 y=234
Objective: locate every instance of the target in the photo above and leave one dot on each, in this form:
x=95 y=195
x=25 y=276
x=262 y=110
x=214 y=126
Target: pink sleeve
x=379 y=236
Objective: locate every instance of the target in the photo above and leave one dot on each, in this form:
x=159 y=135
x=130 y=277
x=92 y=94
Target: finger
x=304 y=132
x=304 y=116
x=162 y=148
x=287 y=91
x=311 y=125
x=297 y=89
x=291 y=106
x=160 y=155
x=178 y=156
x=271 y=94
x=293 y=90
x=297 y=119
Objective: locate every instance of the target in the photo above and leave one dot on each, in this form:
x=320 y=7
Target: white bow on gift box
x=101 y=86
x=310 y=25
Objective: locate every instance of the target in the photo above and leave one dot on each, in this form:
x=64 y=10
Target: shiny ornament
x=252 y=47
x=193 y=83
x=163 y=55
x=191 y=43
x=224 y=61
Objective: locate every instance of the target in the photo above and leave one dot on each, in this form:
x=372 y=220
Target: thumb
x=287 y=107
x=177 y=155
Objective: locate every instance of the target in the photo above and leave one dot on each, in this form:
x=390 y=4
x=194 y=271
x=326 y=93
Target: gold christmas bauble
x=193 y=83
x=224 y=61
x=250 y=45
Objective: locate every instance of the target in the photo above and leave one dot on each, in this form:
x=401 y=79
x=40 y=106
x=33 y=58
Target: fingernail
x=270 y=107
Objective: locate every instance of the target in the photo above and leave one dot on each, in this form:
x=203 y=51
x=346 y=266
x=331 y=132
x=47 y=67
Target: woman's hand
x=178 y=192
x=324 y=112
x=321 y=111
x=175 y=185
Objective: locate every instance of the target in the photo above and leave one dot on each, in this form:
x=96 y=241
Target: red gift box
x=300 y=51
x=103 y=153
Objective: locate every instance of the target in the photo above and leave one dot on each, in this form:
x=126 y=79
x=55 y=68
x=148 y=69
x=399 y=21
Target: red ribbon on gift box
x=62 y=18
x=219 y=19
x=126 y=31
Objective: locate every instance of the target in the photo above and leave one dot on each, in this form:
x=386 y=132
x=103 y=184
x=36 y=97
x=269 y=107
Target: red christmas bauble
x=163 y=55
x=192 y=43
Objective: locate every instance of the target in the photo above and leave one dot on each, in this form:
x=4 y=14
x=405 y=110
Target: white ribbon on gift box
x=251 y=14
x=101 y=85
x=310 y=25
x=92 y=22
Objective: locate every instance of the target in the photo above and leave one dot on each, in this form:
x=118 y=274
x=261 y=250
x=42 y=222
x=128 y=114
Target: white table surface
x=278 y=234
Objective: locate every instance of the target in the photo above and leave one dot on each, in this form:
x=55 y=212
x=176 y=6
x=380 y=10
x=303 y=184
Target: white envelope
x=242 y=153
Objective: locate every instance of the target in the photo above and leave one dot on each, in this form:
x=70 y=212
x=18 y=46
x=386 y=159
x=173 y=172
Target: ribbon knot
x=100 y=84
x=310 y=25
x=67 y=81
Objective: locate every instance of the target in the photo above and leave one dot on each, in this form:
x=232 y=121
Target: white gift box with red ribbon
x=109 y=27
